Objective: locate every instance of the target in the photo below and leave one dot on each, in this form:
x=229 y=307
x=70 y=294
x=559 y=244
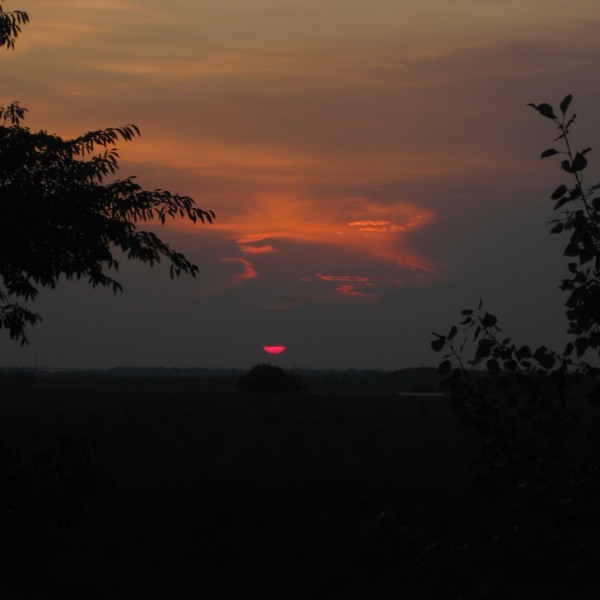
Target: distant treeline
x=419 y=379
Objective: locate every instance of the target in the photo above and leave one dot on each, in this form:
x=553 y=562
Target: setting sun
x=273 y=349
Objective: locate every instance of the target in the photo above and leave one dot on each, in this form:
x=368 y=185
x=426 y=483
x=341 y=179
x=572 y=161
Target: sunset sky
x=374 y=168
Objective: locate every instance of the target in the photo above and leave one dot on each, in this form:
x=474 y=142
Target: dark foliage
x=10 y=26
x=537 y=411
x=265 y=380
x=59 y=218
x=40 y=499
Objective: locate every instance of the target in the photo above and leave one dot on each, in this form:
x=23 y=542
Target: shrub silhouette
x=40 y=500
x=265 y=380
x=538 y=410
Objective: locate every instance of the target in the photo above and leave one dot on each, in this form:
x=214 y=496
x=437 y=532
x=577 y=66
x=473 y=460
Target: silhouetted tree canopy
x=58 y=215
x=59 y=218
x=265 y=379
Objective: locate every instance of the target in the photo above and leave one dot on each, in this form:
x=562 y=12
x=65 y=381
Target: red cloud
x=369 y=223
x=382 y=226
x=351 y=285
x=268 y=249
x=249 y=271
x=348 y=289
x=353 y=278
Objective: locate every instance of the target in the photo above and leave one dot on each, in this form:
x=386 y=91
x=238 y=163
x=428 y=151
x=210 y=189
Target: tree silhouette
x=265 y=380
x=58 y=215
x=60 y=218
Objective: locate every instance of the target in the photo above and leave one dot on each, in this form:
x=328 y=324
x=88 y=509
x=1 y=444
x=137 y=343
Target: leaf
x=581 y=345
x=560 y=191
x=562 y=202
x=571 y=250
x=444 y=367
x=489 y=320
x=452 y=333
x=549 y=152
x=493 y=366
x=523 y=352
x=547 y=361
x=484 y=348
x=564 y=105
x=439 y=343
x=544 y=109
x=579 y=162
x=558 y=228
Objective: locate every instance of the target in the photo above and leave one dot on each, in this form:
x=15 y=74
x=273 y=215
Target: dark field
x=223 y=495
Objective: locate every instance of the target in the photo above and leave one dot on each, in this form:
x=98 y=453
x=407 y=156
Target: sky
x=373 y=166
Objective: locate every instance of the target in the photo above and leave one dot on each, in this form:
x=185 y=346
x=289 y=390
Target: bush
x=40 y=501
x=538 y=412
x=265 y=380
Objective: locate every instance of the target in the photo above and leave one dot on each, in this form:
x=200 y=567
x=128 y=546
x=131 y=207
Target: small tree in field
x=538 y=410
x=265 y=380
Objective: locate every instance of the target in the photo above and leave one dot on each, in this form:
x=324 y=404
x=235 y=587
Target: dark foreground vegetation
x=219 y=494
x=222 y=495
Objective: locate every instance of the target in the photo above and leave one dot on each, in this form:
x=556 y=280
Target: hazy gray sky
x=374 y=169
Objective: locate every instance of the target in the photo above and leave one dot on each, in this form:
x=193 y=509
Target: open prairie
x=222 y=495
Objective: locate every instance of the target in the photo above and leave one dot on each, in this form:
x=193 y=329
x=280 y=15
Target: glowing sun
x=273 y=349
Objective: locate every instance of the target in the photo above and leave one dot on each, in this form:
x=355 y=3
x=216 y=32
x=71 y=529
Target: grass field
x=226 y=496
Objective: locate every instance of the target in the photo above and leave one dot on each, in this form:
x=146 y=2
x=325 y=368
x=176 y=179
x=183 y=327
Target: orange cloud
x=342 y=278
x=354 y=286
x=351 y=290
x=267 y=222
x=266 y=249
x=248 y=271
x=368 y=223
x=380 y=226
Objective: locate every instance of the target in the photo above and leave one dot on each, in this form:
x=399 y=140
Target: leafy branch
x=59 y=218
x=11 y=23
